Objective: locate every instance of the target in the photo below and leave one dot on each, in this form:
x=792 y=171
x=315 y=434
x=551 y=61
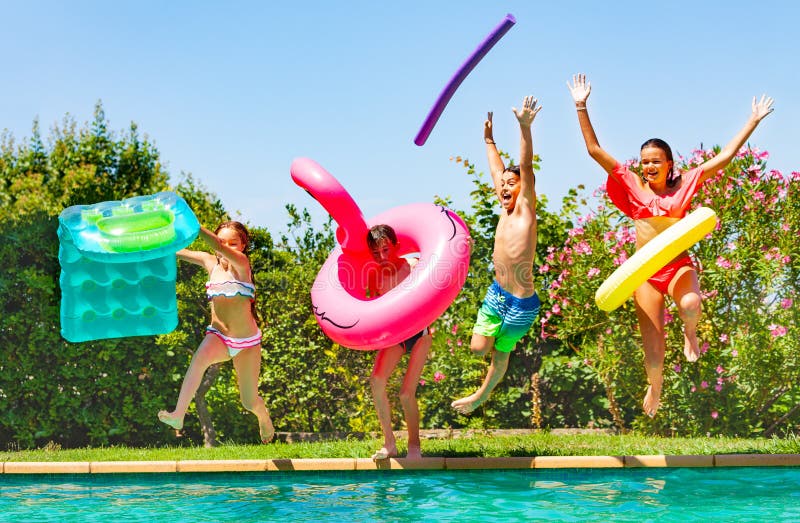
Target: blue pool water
x=712 y=494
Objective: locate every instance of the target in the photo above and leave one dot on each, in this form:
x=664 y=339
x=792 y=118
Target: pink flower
x=454 y=329
x=422 y=382
x=786 y=303
x=722 y=262
x=544 y=268
x=734 y=353
x=704 y=347
x=594 y=271
x=777 y=330
x=583 y=248
x=459 y=343
x=438 y=376
x=677 y=367
x=714 y=414
x=720 y=369
x=693 y=389
x=704 y=384
x=723 y=338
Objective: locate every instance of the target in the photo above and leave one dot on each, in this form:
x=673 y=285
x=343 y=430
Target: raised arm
x=496 y=165
x=200 y=258
x=236 y=258
x=761 y=109
x=580 y=90
x=525 y=118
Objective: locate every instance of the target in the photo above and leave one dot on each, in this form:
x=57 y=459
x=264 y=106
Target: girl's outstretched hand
x=580 y=88
x=762 y=107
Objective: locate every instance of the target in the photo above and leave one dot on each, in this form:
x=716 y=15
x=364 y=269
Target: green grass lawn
x=474 y=445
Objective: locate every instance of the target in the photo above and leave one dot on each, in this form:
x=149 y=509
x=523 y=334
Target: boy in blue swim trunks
x=391 y=270
x=511 y=303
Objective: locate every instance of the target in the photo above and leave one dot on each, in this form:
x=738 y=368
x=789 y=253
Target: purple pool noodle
x=458 y=77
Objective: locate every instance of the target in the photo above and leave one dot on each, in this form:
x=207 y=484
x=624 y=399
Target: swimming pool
x=661 y=494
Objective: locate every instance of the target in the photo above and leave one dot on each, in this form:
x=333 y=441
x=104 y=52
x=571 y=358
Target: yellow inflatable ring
x=653 y=256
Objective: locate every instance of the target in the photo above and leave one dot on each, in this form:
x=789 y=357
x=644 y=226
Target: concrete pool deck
x=426 y=463
x=429 y=463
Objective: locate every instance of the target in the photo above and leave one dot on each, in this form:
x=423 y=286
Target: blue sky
x=233 y=91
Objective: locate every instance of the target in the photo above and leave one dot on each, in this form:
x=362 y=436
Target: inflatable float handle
x=323 y=187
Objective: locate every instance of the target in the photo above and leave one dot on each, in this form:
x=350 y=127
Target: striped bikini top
x=229 y=289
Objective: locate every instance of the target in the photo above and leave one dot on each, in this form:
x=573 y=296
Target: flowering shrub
x=745 y=381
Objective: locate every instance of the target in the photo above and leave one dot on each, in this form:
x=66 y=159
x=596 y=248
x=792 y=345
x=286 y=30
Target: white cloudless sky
x=231 y=92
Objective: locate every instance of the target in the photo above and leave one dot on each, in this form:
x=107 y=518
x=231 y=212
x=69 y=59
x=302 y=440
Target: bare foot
x=386 y=452
x=266 y=430
x=170 y=419
x=691 y=347
x=467 y=405
x=652 y=400
x=414 y=452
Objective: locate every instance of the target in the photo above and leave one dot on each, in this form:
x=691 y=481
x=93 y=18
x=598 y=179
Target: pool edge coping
x=426 y=463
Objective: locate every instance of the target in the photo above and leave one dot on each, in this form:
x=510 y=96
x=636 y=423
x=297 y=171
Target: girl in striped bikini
x=233 y=333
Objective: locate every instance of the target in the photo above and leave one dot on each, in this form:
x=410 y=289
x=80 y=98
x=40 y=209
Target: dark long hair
x=244 y=236
x=658 y=143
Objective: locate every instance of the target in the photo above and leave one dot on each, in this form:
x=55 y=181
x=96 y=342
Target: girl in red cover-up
x=655 y=201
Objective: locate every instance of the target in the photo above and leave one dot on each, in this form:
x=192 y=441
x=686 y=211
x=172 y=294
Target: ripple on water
x=743 y=494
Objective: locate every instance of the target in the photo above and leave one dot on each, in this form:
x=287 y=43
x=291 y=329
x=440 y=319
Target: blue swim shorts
x=505 y=317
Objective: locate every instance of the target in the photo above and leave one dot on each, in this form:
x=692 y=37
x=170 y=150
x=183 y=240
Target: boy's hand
x=488 y=135
x=528 y=112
